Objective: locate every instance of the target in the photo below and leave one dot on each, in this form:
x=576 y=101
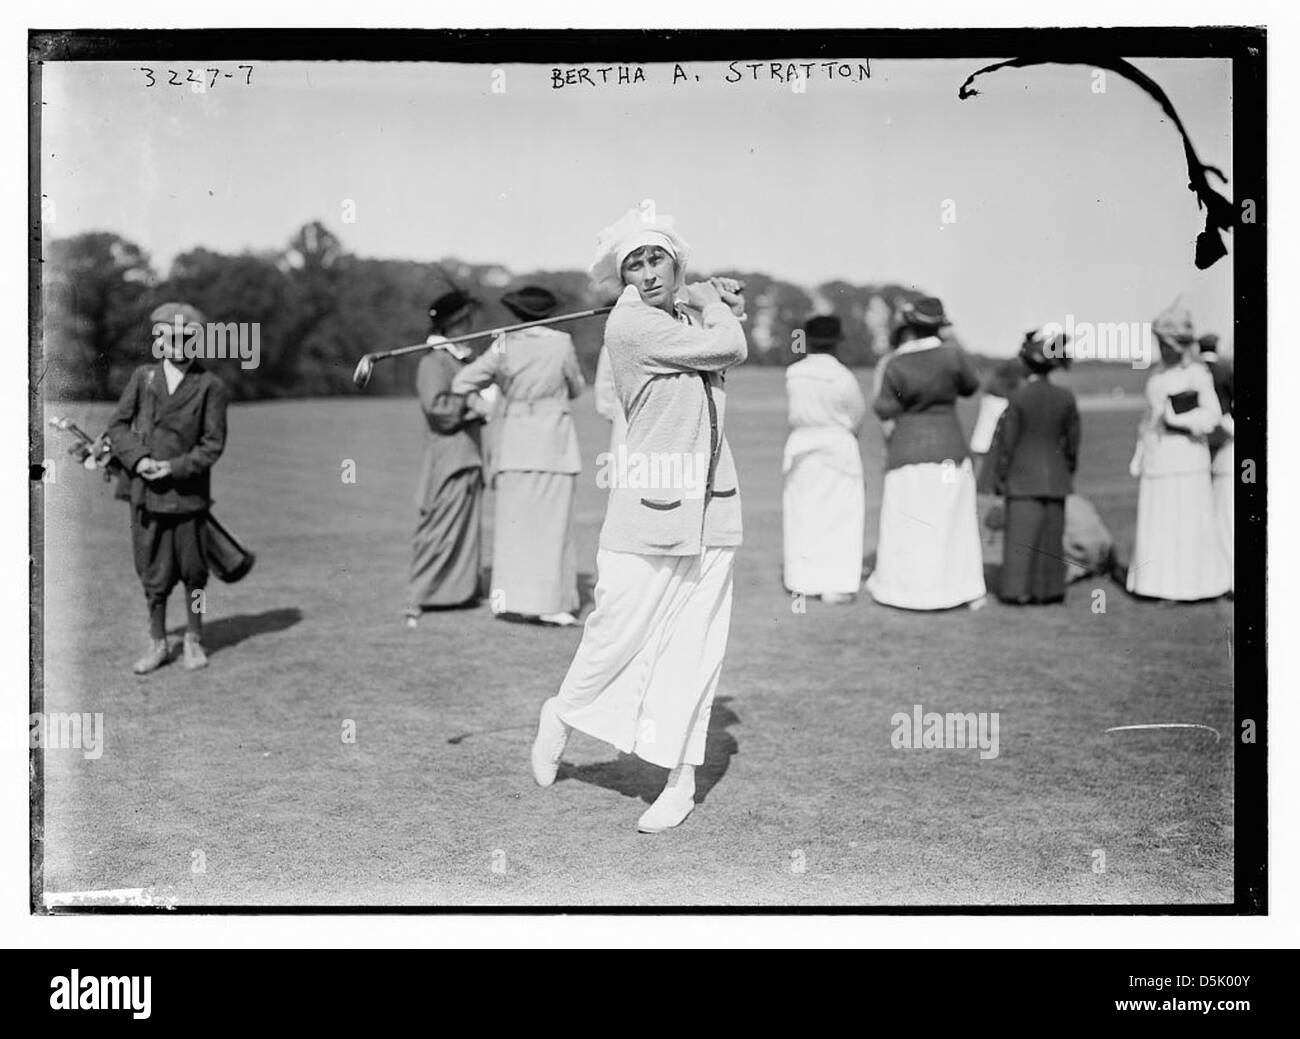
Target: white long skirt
x=534 y=568
x=823 y=514
x=1177 y=553
x=928 y=554
x=650 y=660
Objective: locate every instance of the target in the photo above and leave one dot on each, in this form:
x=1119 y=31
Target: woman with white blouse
x=1176 y=553
x=824 y=501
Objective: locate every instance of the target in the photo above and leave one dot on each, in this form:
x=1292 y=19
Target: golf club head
x=364 y=367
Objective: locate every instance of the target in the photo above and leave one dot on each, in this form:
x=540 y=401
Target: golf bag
x=226 y=557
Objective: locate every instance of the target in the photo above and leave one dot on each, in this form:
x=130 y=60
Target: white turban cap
x=634 y=229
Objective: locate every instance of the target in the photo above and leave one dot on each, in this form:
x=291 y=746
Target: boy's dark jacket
x=186 y=428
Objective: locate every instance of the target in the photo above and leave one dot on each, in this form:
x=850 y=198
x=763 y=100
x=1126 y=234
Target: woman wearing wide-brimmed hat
x=1037 y=455
x=824 y=501
x=645 y=673
x=928 y=553
x=1177 y=554
x=445 y=560
x=535 y=464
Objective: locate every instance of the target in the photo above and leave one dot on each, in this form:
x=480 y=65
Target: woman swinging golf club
x=645 y=673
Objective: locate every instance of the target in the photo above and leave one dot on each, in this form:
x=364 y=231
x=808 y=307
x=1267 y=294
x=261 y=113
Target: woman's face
x=653 y=272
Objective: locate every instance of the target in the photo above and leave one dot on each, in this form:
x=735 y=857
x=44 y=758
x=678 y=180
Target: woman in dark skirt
x=445 y=556
x=1038 y=451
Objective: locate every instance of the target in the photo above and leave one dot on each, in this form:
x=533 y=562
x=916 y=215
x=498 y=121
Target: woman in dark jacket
x=445 y=557
x=928 y=553
x=1037 y=453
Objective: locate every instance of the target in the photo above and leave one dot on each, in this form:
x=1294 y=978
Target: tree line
x=319 y=308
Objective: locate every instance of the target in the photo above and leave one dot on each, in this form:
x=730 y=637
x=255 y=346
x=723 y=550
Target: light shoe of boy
x=156 y=656
x=192 y=656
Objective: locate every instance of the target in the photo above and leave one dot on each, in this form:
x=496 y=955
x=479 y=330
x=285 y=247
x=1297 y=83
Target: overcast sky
x=1067 y=201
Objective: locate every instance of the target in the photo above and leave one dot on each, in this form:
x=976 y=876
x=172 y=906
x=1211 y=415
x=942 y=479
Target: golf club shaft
x=401 y=350
x=73 y=428
x=366 y=364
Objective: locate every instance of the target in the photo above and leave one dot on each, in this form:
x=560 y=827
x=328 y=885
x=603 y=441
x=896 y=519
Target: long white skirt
x=646 y=671
x=534 y=565
x=1177 y=553
x=823 y=515
x=928 y=555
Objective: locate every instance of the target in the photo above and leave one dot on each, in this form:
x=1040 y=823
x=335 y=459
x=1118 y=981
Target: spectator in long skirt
x=1177 y=552
x=928 y=553
x=536 y=465
x=824 y=501
x=1038 y=453
x=445 y=558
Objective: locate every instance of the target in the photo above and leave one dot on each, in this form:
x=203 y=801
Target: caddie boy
x=168 y=431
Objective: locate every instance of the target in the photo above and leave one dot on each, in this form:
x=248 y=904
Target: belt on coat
x=537 y=407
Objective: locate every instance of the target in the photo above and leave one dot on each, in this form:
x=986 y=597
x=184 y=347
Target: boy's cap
x=169 y=312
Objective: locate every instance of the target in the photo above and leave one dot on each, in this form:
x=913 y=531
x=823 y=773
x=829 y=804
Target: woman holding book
x=1176 y=553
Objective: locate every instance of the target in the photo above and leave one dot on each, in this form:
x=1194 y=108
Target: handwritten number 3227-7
x=173 y=76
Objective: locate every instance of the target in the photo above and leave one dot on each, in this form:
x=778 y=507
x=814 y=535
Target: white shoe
x=562 y=620
x=673 y=805
x=978 y=604
x=548 y=746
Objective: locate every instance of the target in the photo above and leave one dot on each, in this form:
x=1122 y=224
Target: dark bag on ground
x=227 y=558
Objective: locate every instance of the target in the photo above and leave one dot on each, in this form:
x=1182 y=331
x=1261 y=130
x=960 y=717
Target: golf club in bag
x=228 y=559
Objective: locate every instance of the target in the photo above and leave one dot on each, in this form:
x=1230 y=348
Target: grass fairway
x=234 y=786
